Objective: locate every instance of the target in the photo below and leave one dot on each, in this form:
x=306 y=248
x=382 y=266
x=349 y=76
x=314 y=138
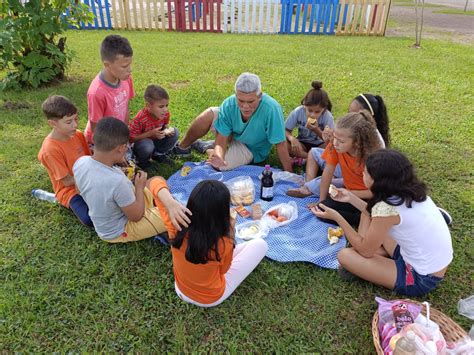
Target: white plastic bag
x=281 y=214
x=261 y=228
x=287 y=176
x=252 y=230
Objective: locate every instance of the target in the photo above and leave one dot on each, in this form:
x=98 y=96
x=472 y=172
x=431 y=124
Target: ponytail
x=376 y=106
x=317 y=96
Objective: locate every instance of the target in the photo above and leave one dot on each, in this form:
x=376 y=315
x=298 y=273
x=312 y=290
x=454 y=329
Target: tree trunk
x=419 y=22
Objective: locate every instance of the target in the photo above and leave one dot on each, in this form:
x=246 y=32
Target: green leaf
x=36 y=60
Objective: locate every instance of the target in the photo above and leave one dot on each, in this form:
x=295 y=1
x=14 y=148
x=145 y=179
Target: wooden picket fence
x=363 y=17
x=339 y=17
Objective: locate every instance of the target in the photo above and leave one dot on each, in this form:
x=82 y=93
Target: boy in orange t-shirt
x=60 y=150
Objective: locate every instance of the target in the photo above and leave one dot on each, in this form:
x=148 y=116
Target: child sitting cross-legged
x=121 y=211
x=149 y=130
x=207 y=264
x=403 y=242
x=311 y=118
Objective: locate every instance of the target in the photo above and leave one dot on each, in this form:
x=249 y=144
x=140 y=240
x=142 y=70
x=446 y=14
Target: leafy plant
x=32 y=42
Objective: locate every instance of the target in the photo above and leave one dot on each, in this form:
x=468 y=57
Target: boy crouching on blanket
x=121 y=211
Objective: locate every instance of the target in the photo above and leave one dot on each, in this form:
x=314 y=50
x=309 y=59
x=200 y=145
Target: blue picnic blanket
x=304 y=239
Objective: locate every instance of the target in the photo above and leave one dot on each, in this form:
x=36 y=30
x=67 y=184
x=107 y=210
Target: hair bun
x=317 y=85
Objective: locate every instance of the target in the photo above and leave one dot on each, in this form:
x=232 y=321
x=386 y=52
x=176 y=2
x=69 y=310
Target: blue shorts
x=409 y=282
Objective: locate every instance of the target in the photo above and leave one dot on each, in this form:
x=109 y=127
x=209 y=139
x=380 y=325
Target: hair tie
x=368 y=104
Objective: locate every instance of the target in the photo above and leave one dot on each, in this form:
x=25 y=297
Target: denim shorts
x=409 y=282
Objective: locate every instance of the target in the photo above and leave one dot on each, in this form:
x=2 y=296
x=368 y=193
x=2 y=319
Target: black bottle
x=266 y=184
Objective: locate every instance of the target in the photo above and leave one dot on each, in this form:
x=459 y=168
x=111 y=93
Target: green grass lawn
x=455 y=12
x=65 y=290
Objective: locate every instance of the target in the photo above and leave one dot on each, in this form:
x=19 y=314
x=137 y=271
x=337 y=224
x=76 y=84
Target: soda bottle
x=44 y=195
x=266 y=184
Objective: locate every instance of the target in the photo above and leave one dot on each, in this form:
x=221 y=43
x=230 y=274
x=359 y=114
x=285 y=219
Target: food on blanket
x=334 y=234
x=333 y=191
x=276 y=216
x=233 y=213
x=249 y=231
x=242 y=192
x=312 y=121
x=185 y=170
x=241 y=210
x=237 y=199
x=256 y=211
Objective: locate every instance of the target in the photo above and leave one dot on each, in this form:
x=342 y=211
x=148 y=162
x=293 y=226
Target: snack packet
x=242 y=211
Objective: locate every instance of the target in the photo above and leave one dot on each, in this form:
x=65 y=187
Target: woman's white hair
x=248 y=83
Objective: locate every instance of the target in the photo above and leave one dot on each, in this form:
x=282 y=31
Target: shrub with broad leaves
x=33 y=47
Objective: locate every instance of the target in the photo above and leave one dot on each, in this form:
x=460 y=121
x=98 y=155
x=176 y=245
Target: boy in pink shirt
x=111 y=90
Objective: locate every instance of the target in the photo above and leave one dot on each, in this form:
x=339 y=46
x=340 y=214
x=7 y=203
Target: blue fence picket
x=98 y=7
x=283 y=15
x=335 y=8
x=322 y=16
x=102 y=22
x=200 y=11
x=346 y=9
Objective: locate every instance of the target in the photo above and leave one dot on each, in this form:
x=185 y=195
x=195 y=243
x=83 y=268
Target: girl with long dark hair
x=207 y=266
x=403 y=242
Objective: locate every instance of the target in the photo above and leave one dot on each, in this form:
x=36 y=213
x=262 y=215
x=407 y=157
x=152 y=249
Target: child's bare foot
x=300 y=192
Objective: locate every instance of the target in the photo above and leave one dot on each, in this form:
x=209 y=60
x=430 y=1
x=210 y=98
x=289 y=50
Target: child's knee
x=344 y=256
x=261 y=245
x=176 y=133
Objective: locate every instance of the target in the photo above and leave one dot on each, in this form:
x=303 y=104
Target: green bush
x=32 y=42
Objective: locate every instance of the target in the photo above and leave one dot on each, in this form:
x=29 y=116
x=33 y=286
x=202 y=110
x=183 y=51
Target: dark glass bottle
x=266 y=184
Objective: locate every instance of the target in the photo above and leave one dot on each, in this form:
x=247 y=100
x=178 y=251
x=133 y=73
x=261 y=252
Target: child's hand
x=343 y=195
x=178 y=214
x=328 y=134
x=140 y=180
x=312 y=125
x=324 y=212
x=296 y=147
x=216 y=161
x=169 y=131
x=157 y=133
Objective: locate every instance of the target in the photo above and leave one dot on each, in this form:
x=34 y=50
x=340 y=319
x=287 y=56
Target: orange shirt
x=58 y=157
x=203 y=283
x=351 y=169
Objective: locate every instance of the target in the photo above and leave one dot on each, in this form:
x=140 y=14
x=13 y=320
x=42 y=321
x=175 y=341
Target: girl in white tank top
x=403 y=242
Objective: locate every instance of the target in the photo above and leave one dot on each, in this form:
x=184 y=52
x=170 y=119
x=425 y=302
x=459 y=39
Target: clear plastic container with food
x=242 y=190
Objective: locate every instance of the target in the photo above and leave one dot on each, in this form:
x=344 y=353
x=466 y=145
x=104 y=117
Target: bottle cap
x=267 y=166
